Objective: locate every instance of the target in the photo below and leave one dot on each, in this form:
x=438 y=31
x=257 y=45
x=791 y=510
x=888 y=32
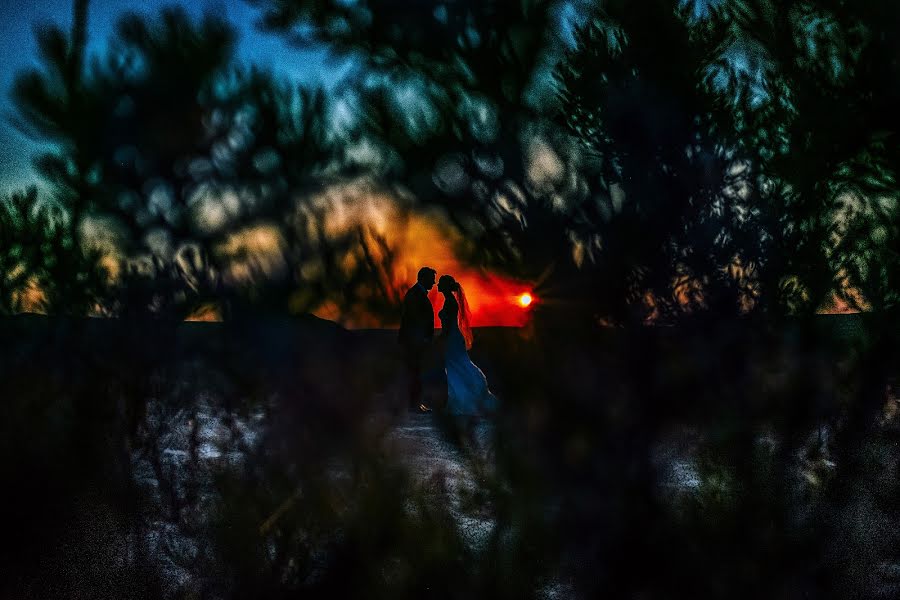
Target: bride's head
x=451 y=288
x=447 y=284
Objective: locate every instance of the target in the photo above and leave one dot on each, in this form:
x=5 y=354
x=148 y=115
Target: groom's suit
x=416 y=333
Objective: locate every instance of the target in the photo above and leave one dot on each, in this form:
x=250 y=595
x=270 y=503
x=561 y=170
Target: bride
x=467 y=388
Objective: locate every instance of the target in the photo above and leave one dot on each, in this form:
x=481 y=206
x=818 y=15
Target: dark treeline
x=687 y=184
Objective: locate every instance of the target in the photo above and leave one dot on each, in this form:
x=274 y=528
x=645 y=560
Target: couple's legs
x=425 y=370
x=413 y=359
x=414 y=384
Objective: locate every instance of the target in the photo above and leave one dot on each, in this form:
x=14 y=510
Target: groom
x=416 y=333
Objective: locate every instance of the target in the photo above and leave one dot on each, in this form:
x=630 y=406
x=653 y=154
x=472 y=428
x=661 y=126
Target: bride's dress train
x=467 y=388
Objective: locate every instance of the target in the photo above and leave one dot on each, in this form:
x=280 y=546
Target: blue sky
x=18 y=50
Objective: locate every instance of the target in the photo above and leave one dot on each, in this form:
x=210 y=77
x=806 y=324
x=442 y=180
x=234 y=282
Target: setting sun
x=525 y=300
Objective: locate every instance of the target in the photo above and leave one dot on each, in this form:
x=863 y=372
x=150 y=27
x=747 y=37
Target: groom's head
x=426 y=277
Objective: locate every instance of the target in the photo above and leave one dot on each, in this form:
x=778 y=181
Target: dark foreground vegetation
x=301 y=497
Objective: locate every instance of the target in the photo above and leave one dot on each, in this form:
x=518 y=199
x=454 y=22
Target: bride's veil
x=464 y=326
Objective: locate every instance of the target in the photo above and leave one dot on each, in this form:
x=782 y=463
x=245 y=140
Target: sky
x=18 y=51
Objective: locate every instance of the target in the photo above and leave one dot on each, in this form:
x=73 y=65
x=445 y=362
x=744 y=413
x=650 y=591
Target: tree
x=460 y=119
x=179 y=155
x=813 y=113
x=40 y=267
x=673 y=222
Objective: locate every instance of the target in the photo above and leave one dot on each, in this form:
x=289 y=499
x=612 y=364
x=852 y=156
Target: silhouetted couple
x=467 y=388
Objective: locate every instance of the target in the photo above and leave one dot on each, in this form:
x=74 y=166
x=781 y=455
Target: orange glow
x=420 y=239
x=837 y=305
x=525 y=300
x=31 y=298
x=426 y=240
x=845 y=300
x=208 y=313
x=493 y=299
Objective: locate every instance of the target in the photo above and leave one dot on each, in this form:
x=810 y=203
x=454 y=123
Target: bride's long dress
x=467 y=387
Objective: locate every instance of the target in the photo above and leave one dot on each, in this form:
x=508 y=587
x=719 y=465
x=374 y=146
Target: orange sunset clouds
x=426 y=239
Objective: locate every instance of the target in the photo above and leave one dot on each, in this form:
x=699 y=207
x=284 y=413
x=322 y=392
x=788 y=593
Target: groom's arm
x=408 y=319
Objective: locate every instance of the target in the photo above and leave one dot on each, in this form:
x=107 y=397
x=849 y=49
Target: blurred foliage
x=632 y=91
x=177 y=154
x=723 y=103
x=814 y=112
x=457 y=123
x=43 y=266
